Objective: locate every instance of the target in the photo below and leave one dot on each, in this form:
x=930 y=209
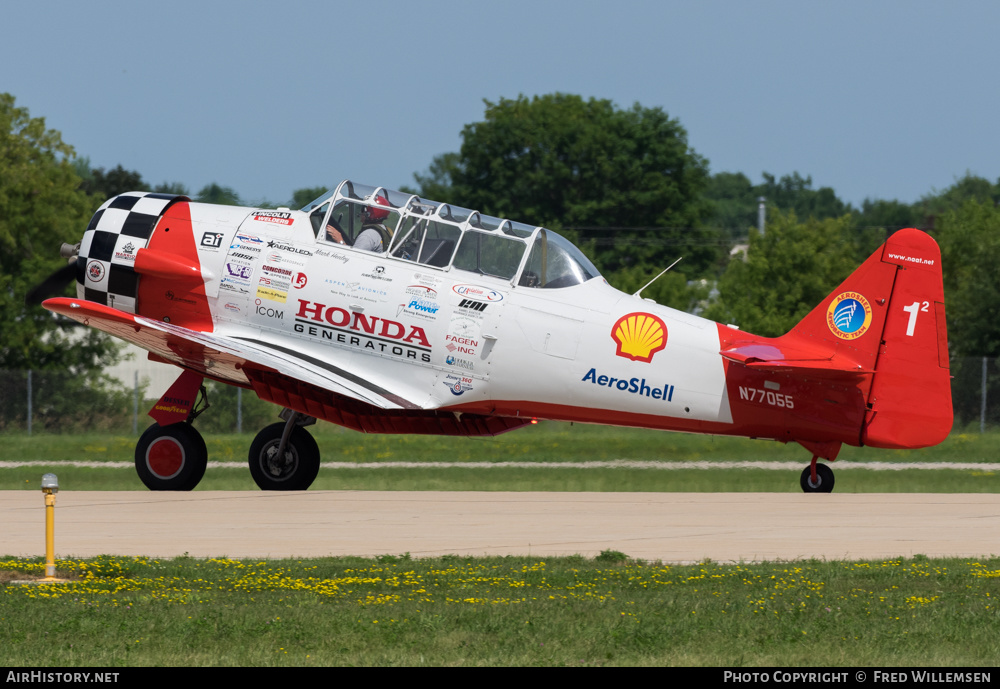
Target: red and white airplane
x=387 y=313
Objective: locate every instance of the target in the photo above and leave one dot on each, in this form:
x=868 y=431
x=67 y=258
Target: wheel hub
x=279 y=467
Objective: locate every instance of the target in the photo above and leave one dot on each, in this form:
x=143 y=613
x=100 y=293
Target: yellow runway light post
x=50 y=486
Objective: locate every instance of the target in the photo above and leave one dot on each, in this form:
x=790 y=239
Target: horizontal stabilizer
x=770 y=358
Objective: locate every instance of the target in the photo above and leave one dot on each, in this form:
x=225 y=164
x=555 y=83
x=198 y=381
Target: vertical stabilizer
x=910 y=398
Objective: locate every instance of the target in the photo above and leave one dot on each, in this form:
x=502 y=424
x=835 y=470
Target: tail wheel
x=171 y=457
x=295 y=469
x=823 y=482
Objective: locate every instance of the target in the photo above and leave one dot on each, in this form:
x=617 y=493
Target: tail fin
x=888 y=316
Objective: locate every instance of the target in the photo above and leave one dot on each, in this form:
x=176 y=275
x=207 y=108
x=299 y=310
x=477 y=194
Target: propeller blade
x=52 y=286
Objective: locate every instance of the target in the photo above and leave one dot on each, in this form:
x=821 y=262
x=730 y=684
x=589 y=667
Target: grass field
x=506 y=611
x=501 y=611
x=544 y=444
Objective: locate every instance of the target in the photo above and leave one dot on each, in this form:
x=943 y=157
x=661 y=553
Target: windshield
x=554 y=262
x=318 y=201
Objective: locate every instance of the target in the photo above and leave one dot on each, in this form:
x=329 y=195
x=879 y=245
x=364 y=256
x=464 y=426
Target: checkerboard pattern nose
x=105 y=268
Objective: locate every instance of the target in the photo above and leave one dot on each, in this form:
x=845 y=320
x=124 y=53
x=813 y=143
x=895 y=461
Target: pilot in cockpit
x=374 y=235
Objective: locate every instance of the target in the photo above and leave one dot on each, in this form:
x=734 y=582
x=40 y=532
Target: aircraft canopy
x=442 y=235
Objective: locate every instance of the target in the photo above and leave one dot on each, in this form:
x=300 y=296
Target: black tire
x=824 y=480
x=300 y=465
x=171 y=457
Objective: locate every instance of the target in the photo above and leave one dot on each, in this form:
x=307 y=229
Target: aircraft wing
x=239 y=361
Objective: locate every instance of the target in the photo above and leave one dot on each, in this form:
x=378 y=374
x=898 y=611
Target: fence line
x=59 y=402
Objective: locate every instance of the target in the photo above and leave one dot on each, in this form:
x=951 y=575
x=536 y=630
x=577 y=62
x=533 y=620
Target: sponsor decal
x=169 y=294
x=467 y=364
x=463 y=345
x=275 y=257
x=849 y=315
x=275 y=282
x=233 y=286
x=170 y=409
x=377 y=274
x=356 y=290
x=422 y=308
x=477 y=292
x=473 y=305
x=264 y=310
x=283 y=272
x=173 y=405
x=272 y=294
x=95 y=271
x=211 y=240
x=463 y=334
x=422 y=291
x=631 y=386
x=355 y=329
x=639 y=336
x=127 y=252
x=300 y=280
x=276 y=217
x=288 y=247
x=239 y=255
x=457 y=384
x=250 y=239
x=238 y=271
x=233 y=307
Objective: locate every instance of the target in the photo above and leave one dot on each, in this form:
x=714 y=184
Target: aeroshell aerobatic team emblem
x=849 y=315
x=639 y=336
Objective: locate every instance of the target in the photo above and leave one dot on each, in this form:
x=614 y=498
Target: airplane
x=384 y=312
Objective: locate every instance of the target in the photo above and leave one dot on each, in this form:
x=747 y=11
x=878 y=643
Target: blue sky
x=882 y=99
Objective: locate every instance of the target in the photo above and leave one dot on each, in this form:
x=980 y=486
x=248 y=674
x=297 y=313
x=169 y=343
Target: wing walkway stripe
x=614 y=464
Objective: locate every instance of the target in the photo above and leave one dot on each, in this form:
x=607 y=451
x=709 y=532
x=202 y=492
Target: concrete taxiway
x=670 y=527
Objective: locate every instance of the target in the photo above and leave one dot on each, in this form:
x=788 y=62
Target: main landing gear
x=284 y=456
x=173 y=456
x=817 y=478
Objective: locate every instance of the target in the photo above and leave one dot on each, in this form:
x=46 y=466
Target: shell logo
x=639 y=336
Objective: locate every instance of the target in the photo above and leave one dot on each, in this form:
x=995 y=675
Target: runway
x=669 y=527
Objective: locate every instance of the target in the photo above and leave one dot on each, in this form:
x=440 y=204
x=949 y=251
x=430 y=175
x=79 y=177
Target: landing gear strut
x=284 y=455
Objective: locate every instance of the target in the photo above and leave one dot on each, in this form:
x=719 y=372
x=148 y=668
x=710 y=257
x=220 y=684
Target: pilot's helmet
x=372 y=214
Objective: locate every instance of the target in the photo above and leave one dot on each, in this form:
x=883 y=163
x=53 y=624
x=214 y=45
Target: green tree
x=785 y=273
x=969 y=237
x=968 y=188
x=622 y=183
x=213 y=193
x=41 y=206
x=104 y=185
x=733 y=202
x=795 y=193
x=888 y=215
x=172 y=188
x=300 y=197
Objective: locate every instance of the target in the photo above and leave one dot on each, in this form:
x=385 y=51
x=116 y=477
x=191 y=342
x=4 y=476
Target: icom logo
x=268 y=311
